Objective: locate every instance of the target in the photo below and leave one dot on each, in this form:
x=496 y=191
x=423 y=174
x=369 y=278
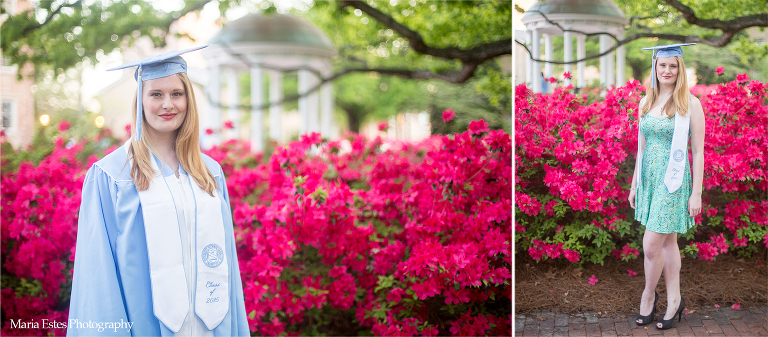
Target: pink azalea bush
x=575 y=156
x=334 y=237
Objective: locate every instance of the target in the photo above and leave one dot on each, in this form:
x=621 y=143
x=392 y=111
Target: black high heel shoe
x=670 y=323
x=649 y=318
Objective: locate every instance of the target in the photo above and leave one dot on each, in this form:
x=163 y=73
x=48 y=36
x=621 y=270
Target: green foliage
x=366 y=42
x=742 y=55
x=366 y=97
x=469 y=104
x=82 y=34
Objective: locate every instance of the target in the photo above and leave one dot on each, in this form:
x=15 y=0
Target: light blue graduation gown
x=112 y=276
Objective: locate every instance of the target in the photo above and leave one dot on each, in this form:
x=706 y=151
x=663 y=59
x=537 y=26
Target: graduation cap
x=154 y=67
x=669 y=50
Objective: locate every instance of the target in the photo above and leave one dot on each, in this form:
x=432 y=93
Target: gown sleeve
x=97 y=306
x=239 y=320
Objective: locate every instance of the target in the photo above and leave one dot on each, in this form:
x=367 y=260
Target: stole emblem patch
x=212 y=255
x=678 y=155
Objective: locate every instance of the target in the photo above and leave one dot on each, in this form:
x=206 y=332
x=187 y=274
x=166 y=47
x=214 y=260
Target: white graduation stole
x=678 y=154
x=169 y=286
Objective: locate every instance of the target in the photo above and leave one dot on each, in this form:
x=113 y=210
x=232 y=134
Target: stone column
x=535 y=67
x=326 y=105
x=549 y=56
x=304 y=83
x=604 y=61
x=568 y=50
x=233 y=100
x=213 y=120
x=257 y=114
x=621 y=62
x=580 y=54
x=611 y=64
x=313 y=104
x=528 y=64
x=275 y=95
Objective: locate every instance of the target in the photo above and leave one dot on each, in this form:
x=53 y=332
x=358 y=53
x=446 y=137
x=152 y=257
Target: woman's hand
x=694 y=204
x=631 y=198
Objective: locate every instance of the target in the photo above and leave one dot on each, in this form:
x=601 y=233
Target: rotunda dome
x=591 y=7
x=281 y=29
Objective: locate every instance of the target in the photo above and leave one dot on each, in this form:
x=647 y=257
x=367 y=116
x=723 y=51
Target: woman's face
x=666 y=70
x=165 y=104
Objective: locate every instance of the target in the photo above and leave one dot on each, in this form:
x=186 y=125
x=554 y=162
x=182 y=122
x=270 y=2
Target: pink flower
x=711 y=212
x=707 y=251
x=756 y=88
x=740 y=242
x=631 y=272
x=736 y=306
x=429 y=288
x=593 y=280
x=430 y=331
x=228 y=125
x=448 y=115
x=535 y=253
x=383 y=126
x=719 y=71
x=311 y=138
x=395 y=295
x=742 y=78
x=567 y=75
x=64 y=125
x=717 y=305
x=499 y=140
x=572 y=255
x=626 y=253
x=208 y=131
x=456 y=296
x=550 y=210
x=478 y=127
x=720 y=243
x=552 y=80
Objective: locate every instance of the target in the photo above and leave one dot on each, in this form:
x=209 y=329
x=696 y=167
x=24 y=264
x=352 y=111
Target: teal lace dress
x=656 y=208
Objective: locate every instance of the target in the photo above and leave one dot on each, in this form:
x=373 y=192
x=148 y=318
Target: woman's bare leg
x=654 y=264
x=671 y=274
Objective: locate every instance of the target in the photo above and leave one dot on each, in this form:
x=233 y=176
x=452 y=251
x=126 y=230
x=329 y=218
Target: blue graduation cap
x=669 y=50
x=154 y=67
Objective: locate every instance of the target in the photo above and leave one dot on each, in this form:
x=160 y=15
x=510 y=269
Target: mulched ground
x=560 y=286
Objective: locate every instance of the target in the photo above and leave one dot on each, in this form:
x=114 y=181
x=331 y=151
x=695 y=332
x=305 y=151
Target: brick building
x=18 y=105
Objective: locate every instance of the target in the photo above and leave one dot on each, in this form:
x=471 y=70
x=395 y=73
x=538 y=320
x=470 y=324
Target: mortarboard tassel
x=139 y=108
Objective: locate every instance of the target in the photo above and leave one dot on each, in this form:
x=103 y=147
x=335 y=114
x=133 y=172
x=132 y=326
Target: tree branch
x=452 y=77
x=196 y=6
x=470 y=58
x=632 y=19
x=729 y=28
x=573 y=30
x=733 y=25
x=48 y=19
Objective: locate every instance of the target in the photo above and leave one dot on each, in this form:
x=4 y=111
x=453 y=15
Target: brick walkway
x=706 y=321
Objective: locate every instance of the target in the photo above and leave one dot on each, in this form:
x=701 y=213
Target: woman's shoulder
x=695 y=100
x=212 y=165
x=115 y=165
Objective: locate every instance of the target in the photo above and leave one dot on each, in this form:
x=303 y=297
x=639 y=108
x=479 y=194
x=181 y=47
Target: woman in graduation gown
x=155 y=251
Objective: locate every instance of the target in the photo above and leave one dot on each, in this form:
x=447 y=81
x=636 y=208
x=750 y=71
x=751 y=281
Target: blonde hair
x=680 y=97
x=186 y=145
